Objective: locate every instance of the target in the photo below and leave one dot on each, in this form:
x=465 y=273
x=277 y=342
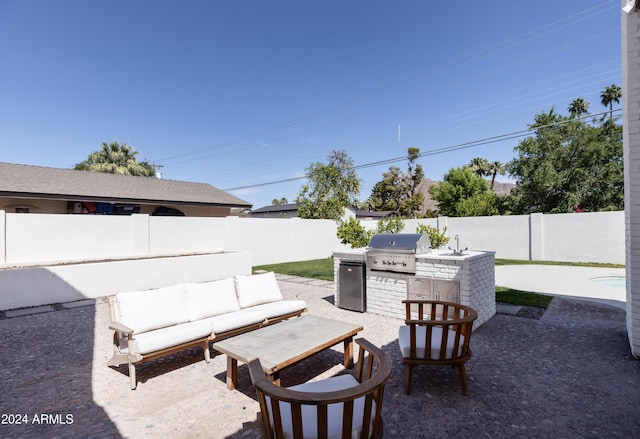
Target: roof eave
x=70 y=197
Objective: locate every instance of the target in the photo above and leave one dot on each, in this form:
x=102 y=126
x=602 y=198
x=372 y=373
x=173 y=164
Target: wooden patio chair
x=343 y=406
x=436 y=333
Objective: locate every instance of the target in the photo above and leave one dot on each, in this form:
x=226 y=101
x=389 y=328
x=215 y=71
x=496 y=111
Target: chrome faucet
x=457 y=251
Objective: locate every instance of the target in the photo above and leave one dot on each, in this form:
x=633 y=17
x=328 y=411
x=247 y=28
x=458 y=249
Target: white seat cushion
x=208 y=299
x=404 y=340
x=276 y=309
x=153 y=309
x=334 y=411
x=235 y=320
x=152 y=341
x=257 y=289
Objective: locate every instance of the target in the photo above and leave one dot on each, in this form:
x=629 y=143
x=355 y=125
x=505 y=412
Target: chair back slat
x=277 y=418
x=323 y=422
x=347 y=418
x=366 y=421
x=296 y=420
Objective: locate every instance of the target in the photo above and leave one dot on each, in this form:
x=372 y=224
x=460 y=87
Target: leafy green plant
x=353 y=233
x=437 y=238
x=390 y=225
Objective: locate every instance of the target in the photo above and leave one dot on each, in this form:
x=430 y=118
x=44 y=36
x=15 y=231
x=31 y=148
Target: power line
x=442 y=150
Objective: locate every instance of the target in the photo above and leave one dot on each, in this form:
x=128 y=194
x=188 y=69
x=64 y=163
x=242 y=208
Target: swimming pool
x=612 y=281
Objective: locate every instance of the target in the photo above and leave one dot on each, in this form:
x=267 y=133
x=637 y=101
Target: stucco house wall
x=631 y=140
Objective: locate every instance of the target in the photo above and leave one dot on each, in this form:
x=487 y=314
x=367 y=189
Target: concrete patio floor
x=569 y=374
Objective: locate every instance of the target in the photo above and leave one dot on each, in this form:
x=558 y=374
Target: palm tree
x=578 y=107
x=494 y=168
x=610 y=95
x=479 y=166
x=114 y=158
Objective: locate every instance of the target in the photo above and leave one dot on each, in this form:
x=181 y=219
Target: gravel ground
x=568 y=374
x=529 y=312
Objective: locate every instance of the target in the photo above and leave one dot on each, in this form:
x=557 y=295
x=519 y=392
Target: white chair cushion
x=152 y=341
x=152 y=309
x=334 y=411
x=404 y=340
x=209 y=299
x=235 y=320
x=281 y=307
x=257 y=289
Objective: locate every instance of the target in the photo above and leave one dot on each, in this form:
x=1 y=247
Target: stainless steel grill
x=396 y=251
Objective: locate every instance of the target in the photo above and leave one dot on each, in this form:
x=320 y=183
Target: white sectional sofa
x=153 y=323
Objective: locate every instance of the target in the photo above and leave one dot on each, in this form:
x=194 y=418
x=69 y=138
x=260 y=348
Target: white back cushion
x=152 y=309
x=334 y=411
x=257 y=289
x=404 y=340
x=209 y=299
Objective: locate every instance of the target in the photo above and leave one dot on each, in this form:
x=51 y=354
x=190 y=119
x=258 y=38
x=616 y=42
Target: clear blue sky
x=240 y=93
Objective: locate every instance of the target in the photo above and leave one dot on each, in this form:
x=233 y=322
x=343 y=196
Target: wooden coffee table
x=283 y=344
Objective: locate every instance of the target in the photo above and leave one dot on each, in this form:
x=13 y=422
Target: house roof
x=294 y=207
x=277 y=208
x=27 y=181
x=366 y=213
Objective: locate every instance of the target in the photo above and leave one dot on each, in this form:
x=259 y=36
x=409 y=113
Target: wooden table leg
x=348 y=352
x=232 y=373
x=274 y=377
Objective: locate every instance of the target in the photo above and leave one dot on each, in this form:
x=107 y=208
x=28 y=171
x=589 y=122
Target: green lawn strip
x=315 y=269
x=323 y=269
x=572 y=264
x=522 y=298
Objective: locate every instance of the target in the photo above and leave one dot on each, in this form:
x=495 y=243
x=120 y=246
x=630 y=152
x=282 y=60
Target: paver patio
x=569 y=374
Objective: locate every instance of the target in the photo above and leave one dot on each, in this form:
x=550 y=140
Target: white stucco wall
x=42 y=285
x=45 y=239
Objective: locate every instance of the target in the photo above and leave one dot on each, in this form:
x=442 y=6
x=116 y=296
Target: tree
x=412 y=198
x=611 y=94
x=385 y=194
x=578 y=107
x=464 y=193
x=279 y=202
x=479 y=166
x=331 y=188
x=397 y=191
x=114 y=158
x=494 y=168
x=568 y=163
x=367 y=204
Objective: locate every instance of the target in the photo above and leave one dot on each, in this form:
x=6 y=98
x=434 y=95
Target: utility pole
x=156 y=170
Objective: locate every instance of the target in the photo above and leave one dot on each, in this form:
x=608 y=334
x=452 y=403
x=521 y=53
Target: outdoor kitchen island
x=466 y=277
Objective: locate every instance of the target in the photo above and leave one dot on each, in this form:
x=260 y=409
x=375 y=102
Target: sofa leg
x=207 y=353
x=132 y=375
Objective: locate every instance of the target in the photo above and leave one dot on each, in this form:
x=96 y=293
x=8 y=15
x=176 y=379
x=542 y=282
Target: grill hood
x=401 y=242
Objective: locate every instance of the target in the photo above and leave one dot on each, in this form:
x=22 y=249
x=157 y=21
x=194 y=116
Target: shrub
x=437 y=238
x=390 y=225
x=353 y=233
